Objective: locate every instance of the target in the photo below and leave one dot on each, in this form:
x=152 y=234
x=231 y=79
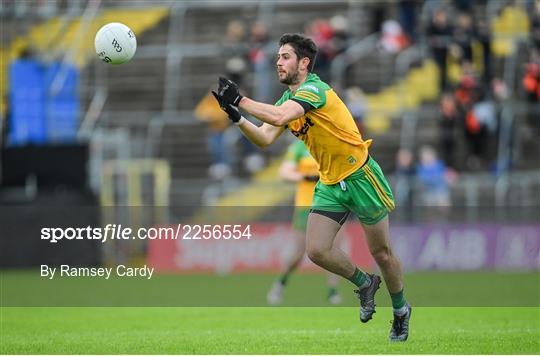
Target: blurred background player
x=299 y=167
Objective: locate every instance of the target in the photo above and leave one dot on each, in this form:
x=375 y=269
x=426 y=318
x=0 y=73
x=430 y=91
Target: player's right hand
x=232 y=111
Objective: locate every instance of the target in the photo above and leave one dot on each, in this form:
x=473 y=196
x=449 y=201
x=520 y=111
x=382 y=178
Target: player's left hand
x=228 y=92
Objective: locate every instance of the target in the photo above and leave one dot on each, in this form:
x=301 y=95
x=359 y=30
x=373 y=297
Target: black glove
x=311 y=178
x=228 y=92
x=232 y=111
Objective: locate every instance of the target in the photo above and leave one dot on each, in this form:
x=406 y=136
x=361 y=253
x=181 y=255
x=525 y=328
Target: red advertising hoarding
x=267 y=248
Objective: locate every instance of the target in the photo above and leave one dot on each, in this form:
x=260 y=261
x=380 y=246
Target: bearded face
x=287 y=66
x=291 y=77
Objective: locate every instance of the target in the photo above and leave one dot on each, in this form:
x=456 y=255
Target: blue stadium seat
x=62 y=116
x=27 y=103
x=43 y=112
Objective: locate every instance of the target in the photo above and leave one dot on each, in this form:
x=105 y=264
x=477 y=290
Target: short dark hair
x=303 y=47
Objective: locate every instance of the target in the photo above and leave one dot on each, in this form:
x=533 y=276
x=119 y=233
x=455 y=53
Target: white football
x=115 y=43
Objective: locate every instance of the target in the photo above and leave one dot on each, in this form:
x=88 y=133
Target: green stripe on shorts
x=365 y=193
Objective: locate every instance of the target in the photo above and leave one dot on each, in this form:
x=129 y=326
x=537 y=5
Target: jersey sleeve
x=281 y=100
x=310 y=93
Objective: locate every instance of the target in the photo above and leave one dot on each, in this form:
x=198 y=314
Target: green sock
x=331 y=291
x=360 y=278
x=398 y=300
x=283 y=279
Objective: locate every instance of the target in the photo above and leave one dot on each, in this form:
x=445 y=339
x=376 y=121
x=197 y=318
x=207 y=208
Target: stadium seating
x=181 y=142
x=54 y=36
x=512 y=24
x=416 y=93
x=28 y=97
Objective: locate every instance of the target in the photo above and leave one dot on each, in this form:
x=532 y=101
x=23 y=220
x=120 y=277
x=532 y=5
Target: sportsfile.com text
x=120 y=232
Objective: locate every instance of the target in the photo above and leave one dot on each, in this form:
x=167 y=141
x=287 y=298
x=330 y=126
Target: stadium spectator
x=477 y=113
x=467 y=88
x=531 y=86
x=340 y=36
x=433 y=177
x=403 y=180
x=234 y=35
x=393 y=38
x=483 y=36
x=260 y=62
x=439 y=33
x=481 y=125
x=322 y=33
x=356 y=102
x=235 y=48
x=207 y=110
x=408 y=10
x=247 y=154
x=332 y=38
x=500 y=89
x=447 y=129
x=534 y=12
x=463 y=36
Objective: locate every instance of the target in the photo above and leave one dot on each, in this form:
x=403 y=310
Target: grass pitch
x=25 y=288
x=265 y=330
x=453 y=313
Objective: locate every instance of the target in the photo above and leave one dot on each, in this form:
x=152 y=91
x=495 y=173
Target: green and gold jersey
x=328 y=130
x=305 y=164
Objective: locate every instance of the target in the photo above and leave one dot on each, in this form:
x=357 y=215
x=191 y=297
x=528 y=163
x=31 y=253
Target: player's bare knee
x=316 y=254
x=382 y=255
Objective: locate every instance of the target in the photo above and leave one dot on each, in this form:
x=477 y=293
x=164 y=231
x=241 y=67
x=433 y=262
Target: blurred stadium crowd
x=449 y=90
